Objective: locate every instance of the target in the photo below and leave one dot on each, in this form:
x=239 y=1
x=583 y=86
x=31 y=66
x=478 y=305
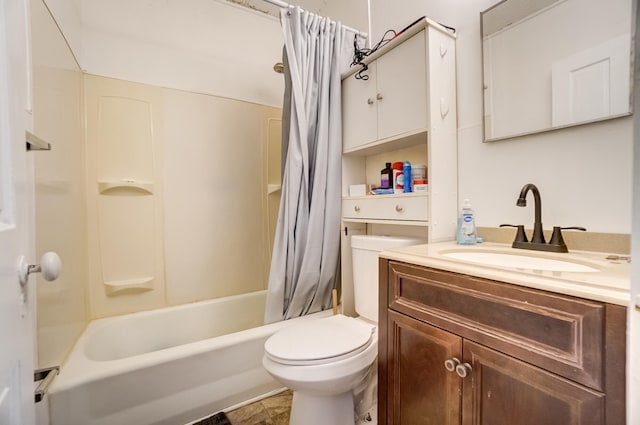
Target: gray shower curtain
x=306 y=251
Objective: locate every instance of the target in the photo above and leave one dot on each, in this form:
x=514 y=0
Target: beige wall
x=59 y=176
x=200 y=229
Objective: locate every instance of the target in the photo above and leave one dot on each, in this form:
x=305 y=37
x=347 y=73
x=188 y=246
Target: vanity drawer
x=561 y=334
x=387 y=207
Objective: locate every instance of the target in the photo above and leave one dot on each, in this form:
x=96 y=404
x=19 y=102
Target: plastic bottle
x=386 y=177
x=397 y=177
x=466 y=234
x=406 y=172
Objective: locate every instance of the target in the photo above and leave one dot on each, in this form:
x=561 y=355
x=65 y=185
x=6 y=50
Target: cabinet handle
x=399 y=208
x=451 y=364
x=463 y=370
x=356 y=208
x=379 y=96
x=444 y=108
x=370 y=101
x=443 y=50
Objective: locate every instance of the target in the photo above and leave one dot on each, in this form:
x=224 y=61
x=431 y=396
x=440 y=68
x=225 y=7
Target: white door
x=17 y=304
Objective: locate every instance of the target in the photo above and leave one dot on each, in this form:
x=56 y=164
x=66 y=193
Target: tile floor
x=272 y=410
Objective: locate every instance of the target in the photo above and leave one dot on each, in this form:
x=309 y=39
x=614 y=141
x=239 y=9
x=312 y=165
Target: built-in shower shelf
x=273 y=188
x=125 y=185
x=115 y=287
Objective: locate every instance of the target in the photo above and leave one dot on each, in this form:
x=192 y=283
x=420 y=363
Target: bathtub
x=168 y=366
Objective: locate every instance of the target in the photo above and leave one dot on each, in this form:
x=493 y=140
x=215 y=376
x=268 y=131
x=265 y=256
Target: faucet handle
x=558 y=240
x=521 y=236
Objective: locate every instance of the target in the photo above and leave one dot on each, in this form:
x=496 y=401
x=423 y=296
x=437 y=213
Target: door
x=421 y=391
x=402 y=88
x=501 y=390
x=17 y=321
x=359 y=110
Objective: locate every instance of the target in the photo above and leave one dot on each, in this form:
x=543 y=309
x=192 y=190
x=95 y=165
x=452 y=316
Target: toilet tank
x=365 y=250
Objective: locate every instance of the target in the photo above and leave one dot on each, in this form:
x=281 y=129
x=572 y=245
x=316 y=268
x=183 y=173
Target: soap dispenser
x=466 y=234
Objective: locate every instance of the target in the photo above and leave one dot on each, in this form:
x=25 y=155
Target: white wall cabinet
x=391 y=101
x=406 y=110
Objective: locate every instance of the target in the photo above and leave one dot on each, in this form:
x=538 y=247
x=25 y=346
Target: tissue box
x=357 y=190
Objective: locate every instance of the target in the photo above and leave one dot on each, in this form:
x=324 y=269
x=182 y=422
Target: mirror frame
x=483 y=86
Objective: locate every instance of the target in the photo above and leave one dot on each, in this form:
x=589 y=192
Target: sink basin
x=519 y=261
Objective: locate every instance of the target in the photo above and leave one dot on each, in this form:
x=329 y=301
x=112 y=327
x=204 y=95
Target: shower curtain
x=305 y=260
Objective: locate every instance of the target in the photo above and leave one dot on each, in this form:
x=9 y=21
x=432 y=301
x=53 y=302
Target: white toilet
x=324 y=360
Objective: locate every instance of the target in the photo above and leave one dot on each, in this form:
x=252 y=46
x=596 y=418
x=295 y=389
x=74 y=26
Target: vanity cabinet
x=405 y=110
x=456 y=349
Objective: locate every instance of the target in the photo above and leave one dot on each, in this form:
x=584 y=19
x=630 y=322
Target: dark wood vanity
x=457 y=349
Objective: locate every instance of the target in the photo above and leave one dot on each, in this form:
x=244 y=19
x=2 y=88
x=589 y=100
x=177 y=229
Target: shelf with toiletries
x=404 y=111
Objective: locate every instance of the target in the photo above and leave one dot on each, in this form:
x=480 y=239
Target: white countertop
x=611 y=283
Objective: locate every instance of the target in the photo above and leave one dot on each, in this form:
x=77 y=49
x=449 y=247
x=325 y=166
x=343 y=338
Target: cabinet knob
x=451 y=364
x=379 y=96
x=399 y=208
x=463 y=370
x=370 y=101
x=356 y=208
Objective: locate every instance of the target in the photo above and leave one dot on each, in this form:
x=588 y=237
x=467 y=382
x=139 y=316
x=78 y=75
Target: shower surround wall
x=178 y=201
x=60 y=203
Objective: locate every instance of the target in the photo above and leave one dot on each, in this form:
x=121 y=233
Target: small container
x=420 y=185
x=386 y=177
x=398 y=181
x=357 y=190
x=418 y=172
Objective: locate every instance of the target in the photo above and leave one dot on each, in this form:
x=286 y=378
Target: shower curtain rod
x=283 y=4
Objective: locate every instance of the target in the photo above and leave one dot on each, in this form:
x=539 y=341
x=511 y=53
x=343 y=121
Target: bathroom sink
x=518 y=261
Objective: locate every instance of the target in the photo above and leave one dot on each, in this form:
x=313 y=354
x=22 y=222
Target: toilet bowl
x=324 y=360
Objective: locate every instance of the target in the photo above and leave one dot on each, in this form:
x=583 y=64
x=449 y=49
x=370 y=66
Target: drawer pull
x=379 y=96
x=356 y=208
x=451 y=364
x=370 y=101
x=463 y=370
x=399 y=208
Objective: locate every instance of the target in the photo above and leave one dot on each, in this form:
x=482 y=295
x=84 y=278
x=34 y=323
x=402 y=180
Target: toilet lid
x=319 y=341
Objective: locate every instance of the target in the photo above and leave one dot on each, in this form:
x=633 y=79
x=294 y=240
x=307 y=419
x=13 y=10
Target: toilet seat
x=319 y=341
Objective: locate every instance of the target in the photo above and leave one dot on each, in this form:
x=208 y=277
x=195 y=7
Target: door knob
x=451 y=364
x=49 y=266
x=463 y=370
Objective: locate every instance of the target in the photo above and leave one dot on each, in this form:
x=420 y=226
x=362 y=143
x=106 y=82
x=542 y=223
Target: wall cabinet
x=392 y=101
x=456 y=349
x=405 y=110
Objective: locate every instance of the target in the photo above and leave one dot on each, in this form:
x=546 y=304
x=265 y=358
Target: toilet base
x=309 y=409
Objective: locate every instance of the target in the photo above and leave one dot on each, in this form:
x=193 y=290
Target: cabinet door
x=402 y=88
x=359 y=122
x=420 y=390
x=501 y=390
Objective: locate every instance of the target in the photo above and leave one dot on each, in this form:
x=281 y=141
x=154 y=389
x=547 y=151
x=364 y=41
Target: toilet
x=322 y=361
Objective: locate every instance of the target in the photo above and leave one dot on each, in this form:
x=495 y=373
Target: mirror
x=550 y=64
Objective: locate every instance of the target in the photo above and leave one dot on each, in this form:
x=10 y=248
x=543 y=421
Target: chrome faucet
x=538 y=243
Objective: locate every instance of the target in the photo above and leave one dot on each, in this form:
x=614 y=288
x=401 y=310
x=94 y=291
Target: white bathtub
x=168 y=366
